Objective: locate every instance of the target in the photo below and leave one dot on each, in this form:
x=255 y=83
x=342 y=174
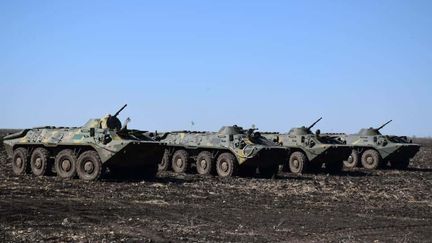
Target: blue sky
x=275 y=64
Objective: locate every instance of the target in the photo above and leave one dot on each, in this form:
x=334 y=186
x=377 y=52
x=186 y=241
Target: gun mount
x=313 y=124
x=385 y=124
x=121 y=109
x=112 y=122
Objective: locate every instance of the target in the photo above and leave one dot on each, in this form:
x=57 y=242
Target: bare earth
x=386 y=205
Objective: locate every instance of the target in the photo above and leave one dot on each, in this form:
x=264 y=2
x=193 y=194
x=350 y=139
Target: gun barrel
x=385 y=124
x=313 y=124
x=121 y=109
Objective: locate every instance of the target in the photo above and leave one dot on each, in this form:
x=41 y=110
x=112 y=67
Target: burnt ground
x=386 y=205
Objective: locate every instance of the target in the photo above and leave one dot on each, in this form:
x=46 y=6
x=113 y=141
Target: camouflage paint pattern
x=389 y=147
x=316 y=147
x=248 y=146
x=119 y=147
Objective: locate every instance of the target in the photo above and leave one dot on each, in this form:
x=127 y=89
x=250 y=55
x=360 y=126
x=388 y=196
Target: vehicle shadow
x=293 y=177
x=134 y=178
x=418 y=169
x=348 y=173
x=413 y=169
x=355 y=173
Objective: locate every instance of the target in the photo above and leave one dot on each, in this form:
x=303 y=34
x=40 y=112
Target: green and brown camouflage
x=85 y=150
x=309 y=151
x=228 y=152
x=373 y=150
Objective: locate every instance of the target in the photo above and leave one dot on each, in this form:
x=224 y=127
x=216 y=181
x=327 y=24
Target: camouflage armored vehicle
x=84 y=151
x=374 y=150
x=228 y=152
x=309 y=151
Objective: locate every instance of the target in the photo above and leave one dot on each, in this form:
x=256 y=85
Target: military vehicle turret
x=309 y=151
x=373 y=150
x=84 y=151
x=227 y=152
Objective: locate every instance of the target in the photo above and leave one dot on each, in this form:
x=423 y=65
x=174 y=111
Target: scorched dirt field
x=382 y=206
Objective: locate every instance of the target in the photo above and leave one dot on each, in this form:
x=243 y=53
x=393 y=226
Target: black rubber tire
x=227 y=165
x=353 y=160
x=334 y=167
x=164 y=163
x=269 y=172
x=39 y=161
x=298 y=162
x=205 y=163
x=20 y=161
x=400 y=164
x=92 y=161
x=180 y=161
x=371 y=159
x=65 y=164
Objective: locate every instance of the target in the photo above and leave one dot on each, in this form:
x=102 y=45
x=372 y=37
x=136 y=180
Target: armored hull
x=373 y=150
x=227 y=152
x=84 y=151
x=309 y=151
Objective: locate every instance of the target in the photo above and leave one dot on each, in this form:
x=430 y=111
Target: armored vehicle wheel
x=164 y=163
x=334 y=167
x=353 y=160
x=269 y=172
x=20 y=161
x=298 y=162
x=204 y=163
x=89 y=166
x=226 y=165
x=65 y=164
x=180 y=161
x=371 y=159
x=39 y=161
x=400 y=165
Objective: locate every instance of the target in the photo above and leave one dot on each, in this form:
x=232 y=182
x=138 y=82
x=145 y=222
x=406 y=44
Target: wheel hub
x=224 y=166
x=18 y=162
x=38 y=163
x=350 y=159
x=179 y=163
x=66 y=165
x=203 y=164
x=296 y=163
x=88 y=167
x=369 y=160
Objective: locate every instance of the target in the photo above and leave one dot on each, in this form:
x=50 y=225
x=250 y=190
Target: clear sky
x=275 y=64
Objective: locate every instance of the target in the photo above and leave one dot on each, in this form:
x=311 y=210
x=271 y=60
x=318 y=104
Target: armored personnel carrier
x=227 y=152
x=84 y=151
x=309 y=151
x=373 y=150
